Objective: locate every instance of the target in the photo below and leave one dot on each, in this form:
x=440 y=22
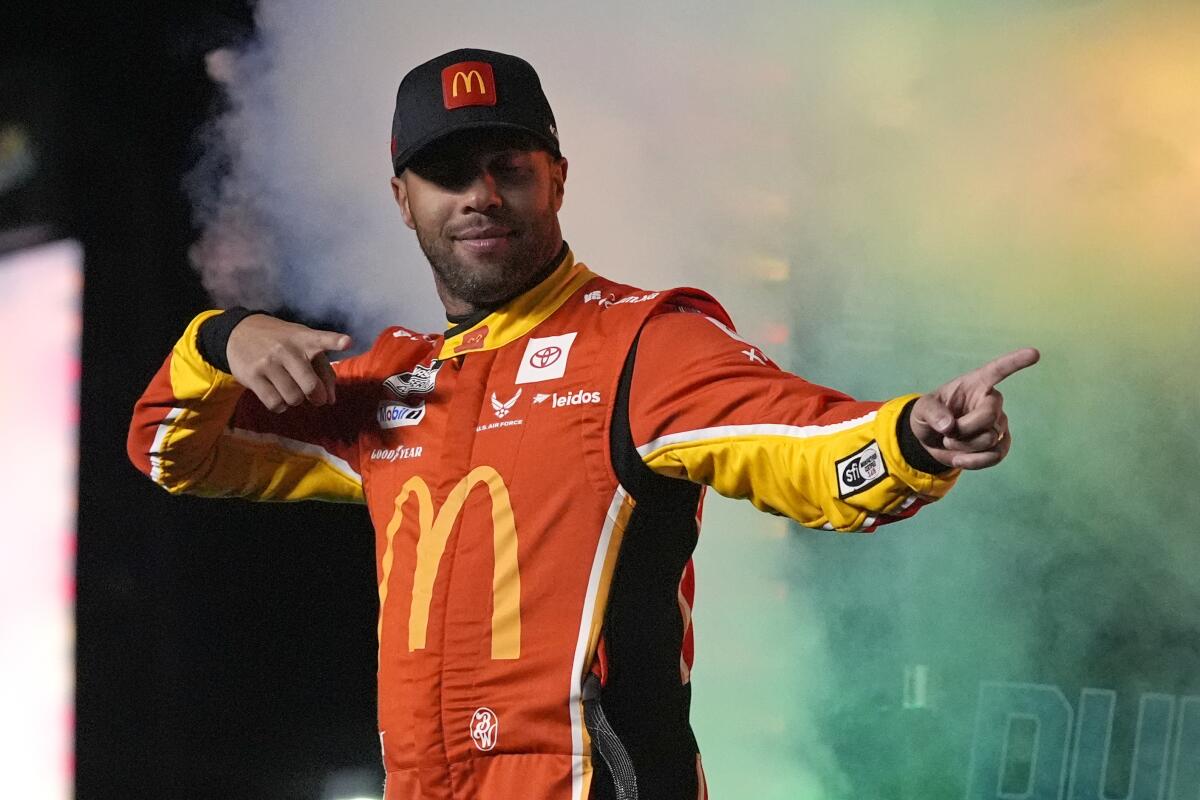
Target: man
x=534 y=473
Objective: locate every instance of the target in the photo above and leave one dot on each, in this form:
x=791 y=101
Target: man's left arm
x=707 y=406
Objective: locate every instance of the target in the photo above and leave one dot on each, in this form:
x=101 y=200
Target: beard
x=490 y=281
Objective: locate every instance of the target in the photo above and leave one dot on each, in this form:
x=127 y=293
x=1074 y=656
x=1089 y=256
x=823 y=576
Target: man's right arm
x=197 y=430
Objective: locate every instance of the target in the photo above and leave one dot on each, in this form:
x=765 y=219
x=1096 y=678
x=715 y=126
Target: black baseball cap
x=466 y=89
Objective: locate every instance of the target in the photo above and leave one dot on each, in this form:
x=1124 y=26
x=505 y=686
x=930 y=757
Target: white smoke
x=680 y=167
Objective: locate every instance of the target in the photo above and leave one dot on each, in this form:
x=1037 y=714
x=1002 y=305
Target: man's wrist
x=910 y=446
x=212 y=337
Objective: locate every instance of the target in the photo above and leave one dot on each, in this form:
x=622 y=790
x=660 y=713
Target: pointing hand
x=283 y=363
x=962 y=423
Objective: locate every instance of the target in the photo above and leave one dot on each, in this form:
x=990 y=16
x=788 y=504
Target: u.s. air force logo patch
x=408 y=389
x=860 y=470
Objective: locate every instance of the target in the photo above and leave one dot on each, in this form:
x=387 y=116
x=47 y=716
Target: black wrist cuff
x=212 y=337
x=911 y=448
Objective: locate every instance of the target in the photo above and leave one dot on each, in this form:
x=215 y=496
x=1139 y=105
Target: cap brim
x=402 y=159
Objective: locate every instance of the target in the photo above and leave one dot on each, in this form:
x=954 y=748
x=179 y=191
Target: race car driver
x=534 y=473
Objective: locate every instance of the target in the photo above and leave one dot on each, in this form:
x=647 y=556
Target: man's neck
x=466 y=318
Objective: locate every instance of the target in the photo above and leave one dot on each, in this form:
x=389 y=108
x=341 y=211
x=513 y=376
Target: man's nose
x=484 y=192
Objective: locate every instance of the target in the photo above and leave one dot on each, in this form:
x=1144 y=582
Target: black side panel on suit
x=645 y=702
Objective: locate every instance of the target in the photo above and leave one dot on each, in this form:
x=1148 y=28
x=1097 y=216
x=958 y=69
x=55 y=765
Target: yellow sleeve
x=196 y=430
x=707 y=406
x=846 y=476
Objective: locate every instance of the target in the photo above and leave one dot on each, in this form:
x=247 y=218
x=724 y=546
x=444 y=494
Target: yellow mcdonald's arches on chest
x=431 y=544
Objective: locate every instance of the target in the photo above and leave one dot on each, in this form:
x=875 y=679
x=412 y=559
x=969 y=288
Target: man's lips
x=493 y=239
x=490 y=232
x=486 y=240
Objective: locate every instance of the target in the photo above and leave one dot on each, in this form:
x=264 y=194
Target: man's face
x=484 y=205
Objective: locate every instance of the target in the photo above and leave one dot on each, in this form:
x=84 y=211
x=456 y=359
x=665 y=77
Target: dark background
x=224 y=650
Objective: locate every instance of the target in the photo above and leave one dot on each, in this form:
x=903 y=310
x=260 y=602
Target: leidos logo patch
x=580 y=398
x=545 y=358
x=468 y=83
x=860 y=470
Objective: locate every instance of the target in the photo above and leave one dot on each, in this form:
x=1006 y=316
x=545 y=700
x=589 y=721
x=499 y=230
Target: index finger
x=1000 y=368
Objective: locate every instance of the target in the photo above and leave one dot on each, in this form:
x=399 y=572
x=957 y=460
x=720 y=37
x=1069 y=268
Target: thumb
x=931 y=411
x=332 y=341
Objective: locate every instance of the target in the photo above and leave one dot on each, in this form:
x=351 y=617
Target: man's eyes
x=447 y=175
x=456 y=175
x=512 y=164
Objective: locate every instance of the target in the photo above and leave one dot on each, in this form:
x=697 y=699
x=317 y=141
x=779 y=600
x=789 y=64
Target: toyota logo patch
x=546 y=356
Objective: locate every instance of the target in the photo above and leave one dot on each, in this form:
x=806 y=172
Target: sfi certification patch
x=860 y=470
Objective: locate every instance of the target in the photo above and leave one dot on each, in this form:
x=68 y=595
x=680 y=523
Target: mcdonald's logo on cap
x=468 y=83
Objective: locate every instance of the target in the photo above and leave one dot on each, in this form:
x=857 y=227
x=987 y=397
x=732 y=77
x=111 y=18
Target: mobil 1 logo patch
x=860 y=470
x=408 y=390
x=392 y=414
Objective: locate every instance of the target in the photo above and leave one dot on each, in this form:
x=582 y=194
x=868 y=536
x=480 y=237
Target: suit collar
x=520 y=315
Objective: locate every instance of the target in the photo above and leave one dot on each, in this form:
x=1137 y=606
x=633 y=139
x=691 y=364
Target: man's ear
x=558 y=179
x=400 y=192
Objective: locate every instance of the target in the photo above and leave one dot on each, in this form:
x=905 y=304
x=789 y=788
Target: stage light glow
x=39 y=408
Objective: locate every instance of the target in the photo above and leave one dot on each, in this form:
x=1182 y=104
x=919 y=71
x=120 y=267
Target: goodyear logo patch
x=860 y=470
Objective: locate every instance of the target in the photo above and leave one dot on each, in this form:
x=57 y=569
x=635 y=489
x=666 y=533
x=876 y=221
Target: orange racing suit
x=534 y=481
